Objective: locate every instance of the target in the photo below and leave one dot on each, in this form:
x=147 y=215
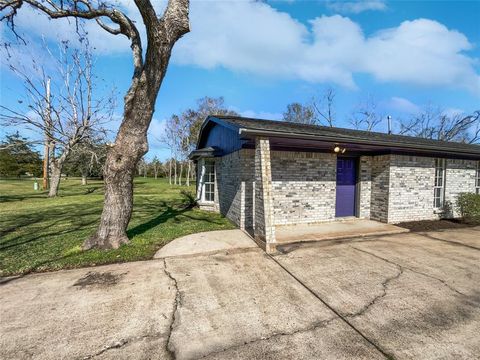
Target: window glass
x=439 y=184
x=209 y=181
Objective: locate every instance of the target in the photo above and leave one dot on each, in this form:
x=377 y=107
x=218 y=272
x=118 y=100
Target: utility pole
x=48 y=137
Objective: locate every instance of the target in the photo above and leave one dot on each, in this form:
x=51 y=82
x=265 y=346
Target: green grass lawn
x=42 y=234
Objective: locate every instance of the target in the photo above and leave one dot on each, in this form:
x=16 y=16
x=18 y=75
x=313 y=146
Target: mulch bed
x=433 y=225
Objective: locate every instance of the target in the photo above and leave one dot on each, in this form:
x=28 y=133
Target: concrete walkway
x=206 y=242
x=342 y=229
x=404 y=296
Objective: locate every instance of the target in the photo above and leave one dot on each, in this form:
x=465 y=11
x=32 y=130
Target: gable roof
x=248 y=127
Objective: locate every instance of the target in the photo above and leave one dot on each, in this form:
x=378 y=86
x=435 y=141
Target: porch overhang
x=354 y=145
x=208 y=152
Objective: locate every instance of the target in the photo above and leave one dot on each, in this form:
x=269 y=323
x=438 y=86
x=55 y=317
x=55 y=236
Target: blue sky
x=262 y=56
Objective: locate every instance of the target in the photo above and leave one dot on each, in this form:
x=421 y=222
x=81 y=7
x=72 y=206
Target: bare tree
x=87 y=158
x=142 y=167
x=319 y=111
x=300 y=114
x=156 y=166
x=434 y=123
x=65 y=114
x=131 y=141
x=366 y=116
x=325 y=107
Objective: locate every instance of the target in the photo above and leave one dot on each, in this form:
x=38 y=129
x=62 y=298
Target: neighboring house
x=262 y=174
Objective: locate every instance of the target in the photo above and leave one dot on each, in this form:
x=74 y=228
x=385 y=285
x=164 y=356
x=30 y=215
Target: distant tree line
x=18 y=157
x=431 y=122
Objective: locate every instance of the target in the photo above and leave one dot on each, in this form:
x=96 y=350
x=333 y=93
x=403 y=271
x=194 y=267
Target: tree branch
x=54 y=11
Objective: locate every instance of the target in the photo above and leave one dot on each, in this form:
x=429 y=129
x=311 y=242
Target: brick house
x=263 y=174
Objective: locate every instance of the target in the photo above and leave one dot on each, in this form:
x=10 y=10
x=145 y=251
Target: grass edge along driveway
x=40 y=234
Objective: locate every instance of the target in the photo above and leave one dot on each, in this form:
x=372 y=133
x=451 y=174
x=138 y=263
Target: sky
x=261 y=56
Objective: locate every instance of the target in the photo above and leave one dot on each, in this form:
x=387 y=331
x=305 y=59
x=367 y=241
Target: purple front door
x=346 y=185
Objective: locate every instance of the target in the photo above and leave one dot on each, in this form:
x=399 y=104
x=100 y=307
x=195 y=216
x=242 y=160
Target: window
x=209 y=181
x=477 y=179
x=439 y=187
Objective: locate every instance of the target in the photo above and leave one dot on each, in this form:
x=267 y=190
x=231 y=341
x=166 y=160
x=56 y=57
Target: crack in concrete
x=412 y=270
x=115 y=345
x=313 y=327
x=336 y=312
x=384 y=284
x=122 y=342
x=176 y=303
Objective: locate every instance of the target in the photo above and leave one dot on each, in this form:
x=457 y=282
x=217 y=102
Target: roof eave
x=352 y=140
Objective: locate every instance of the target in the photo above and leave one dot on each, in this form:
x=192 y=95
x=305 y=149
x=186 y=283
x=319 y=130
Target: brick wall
x=303 y=187
x=235 y=175
x=264 y=226
x=460 y=177
x=364 y=186
x=411 y=188
x=379 y=188
x=392 y=188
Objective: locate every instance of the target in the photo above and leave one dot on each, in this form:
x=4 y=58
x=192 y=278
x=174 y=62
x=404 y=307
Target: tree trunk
x=180 y=177
x=56 y=168
x=55 y=179
x=175 y=172
x=121 y=164
x=170 y=171
x=84 y=179
x=46 y=152
x=131 y=142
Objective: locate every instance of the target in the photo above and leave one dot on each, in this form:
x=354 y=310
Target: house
x=263 y=174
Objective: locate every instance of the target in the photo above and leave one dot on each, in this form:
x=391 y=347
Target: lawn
x=42 y=234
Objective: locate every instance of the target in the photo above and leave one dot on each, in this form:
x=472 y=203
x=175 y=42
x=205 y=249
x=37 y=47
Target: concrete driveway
x=405 y=296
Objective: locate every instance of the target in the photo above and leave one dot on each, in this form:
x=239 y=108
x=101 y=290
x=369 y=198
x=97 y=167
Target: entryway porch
x=333 y=230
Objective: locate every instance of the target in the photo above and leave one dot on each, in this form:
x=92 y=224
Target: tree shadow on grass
x=86 y=190
x=78 y=216
x=13 y=242
x=169 y=213
x=166 y=215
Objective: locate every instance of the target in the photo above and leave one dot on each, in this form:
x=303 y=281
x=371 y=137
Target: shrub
x=468 y=205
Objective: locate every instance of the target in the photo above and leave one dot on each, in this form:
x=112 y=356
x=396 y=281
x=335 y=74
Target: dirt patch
x=433 y=225
x=97 y=279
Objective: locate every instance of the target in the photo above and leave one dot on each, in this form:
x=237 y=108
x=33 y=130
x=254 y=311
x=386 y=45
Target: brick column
x=264 y=227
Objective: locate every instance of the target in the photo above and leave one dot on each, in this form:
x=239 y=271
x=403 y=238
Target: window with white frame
x=208 y=181
x=439 y=186
x=477 y=178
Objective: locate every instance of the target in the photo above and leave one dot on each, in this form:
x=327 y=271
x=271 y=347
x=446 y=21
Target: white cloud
x=356 y=7
x=331 y=49
x=255 y=38
x=403 y=105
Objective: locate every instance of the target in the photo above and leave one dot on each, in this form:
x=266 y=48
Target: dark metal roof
x=204 y=152
x=248 y=127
